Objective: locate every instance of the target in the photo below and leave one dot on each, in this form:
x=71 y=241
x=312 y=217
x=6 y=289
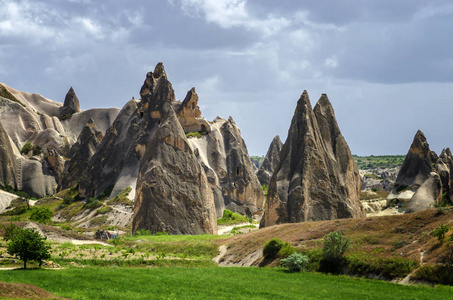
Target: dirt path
x=225 y=229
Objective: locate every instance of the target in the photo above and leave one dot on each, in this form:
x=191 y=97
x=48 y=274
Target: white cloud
x=232 y=13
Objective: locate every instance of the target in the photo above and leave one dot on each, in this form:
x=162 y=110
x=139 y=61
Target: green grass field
x=213 y=283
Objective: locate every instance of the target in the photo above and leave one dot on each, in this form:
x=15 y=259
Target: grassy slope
x=402 y=236
x=213 y=283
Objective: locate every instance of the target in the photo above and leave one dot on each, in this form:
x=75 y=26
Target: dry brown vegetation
x=24 y=291
x=401 y=236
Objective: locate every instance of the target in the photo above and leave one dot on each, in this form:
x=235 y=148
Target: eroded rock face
x=81 y=152
x=427 y=195
x=317 y=178
x=7 y=160
x=424 y=179
x=71 y=104
x=418 y=163
x=172 y=194
x=270 y=162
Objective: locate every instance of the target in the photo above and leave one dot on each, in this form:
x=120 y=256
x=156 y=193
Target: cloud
x=232 y=13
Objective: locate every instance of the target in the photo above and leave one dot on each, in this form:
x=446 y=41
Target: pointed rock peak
x=159 y=71
x=446 y=153
x=230 y=119
x=304 y=101
x=420 y=144
x=191 y=95
x=71 y=100
x=276 y=140
x=324 y=105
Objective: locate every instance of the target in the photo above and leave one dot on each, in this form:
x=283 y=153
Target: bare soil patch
x=25 y=291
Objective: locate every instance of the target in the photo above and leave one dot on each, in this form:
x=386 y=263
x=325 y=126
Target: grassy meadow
x=213 y=283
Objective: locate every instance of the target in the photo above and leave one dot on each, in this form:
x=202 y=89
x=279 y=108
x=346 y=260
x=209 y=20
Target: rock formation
x=71 y=105
x=317 y=178
x=172 y=190
x=427 y=195
x=7 y=160
x=220 y=174
x=81 y=152
x=270 y=161
x=424 y=179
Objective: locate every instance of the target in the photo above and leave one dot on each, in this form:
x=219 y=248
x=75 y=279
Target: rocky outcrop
x=81 y=152
x=417 y=165
x=270 y=162
x=427 y=195
x=317 y=178
x=379 y=179
x=172 y=190
x=71 y=105
x=424 y=179
x=7 y=161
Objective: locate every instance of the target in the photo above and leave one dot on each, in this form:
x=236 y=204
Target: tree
x=28 y=244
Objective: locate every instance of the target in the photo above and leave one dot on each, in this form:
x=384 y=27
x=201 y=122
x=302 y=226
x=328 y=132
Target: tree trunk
x=25 y=264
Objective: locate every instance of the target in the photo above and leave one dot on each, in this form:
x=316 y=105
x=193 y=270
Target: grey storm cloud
x=385 y=65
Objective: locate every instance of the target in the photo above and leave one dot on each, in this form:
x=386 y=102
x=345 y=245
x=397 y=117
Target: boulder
x=317 y=178
x=172 y=193
x=270 y=161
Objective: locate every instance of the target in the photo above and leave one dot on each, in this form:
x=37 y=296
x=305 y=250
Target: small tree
x=41 y=214
x=28 y=244
x=335 y=245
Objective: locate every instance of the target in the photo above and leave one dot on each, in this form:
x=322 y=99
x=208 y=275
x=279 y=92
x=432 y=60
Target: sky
x=386 y=65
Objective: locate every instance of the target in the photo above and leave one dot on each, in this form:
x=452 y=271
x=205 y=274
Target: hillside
x=374 y=240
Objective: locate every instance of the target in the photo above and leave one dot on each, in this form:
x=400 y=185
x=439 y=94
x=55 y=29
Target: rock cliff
x=7 y=160
x=270 y=161
x=317 y=178
x=172 y=193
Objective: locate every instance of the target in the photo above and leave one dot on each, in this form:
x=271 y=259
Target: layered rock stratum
x=317 y=178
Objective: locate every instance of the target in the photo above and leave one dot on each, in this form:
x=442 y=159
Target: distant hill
x=380 y=161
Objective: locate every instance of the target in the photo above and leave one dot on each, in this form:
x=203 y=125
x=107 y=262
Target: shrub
x=440 y=232
x=28 y=244
x=67 y=199
x=92 y=203
x=230 y=218
x=196 y=134
x=41 y=215
x=437 y=274
x=335 y=245
x=10 y=231
x=286 y=250
x=272 y=248
x=296 y=262
x=30 y=147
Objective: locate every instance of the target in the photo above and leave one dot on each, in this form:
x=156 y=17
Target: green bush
x=272 y=248
x=387 y=267
x=92 y=203
x=286 y=250
x=67 y=199
x=296 y=262
x=230 y=218
x=196 y=134
x=335 y=245
x=30 y=147
x=41 y=215
x=436 y=274
x=440 y=232
x=10 y=231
